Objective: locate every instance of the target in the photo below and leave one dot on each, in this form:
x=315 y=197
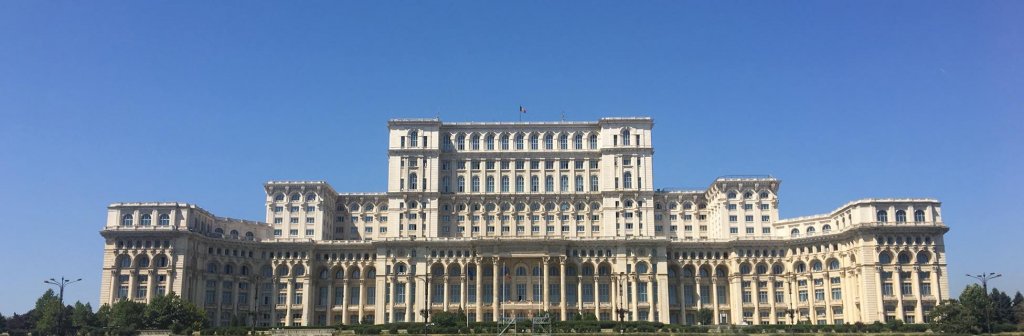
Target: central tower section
x=520 y=179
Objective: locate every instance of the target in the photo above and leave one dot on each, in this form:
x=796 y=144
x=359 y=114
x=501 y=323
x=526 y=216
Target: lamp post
x=984 y=278
x=255 y=303
x=620 y=311
x=60 y=313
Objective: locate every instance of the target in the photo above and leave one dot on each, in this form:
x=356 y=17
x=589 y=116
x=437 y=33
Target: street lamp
x=984 y=278
x=60 y=313
x=255 y=303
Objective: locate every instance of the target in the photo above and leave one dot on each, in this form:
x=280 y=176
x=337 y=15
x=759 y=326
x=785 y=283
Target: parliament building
x=525 y=219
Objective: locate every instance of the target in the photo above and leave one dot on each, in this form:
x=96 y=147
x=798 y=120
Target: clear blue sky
x=202 y=102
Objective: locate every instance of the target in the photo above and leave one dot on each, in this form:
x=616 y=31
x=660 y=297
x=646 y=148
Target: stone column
x=771 y=300
x=345 y=293
x=362 y=298
x=714 y=300
x=410 y=298
x=916 y=283
x=634 y=304
x=495 y=291
x=445 y=292
x=696 y=289
x=561 y=287
x=479 y=292
x=579 y=294
x=545 y=281
x=288 y=301
x=597 y=298
x=650 y=299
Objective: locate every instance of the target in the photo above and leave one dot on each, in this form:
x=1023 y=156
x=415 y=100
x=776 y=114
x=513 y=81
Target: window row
x=295 y=197
x=882 y=216
x=146 y=220
x=518 y=141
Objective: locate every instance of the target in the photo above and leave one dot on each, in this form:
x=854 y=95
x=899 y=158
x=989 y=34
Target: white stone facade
x=567 y=216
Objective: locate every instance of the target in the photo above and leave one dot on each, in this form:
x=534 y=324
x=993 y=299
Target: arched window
x=816 y=266
x=462 y=184
x=521 y=271
x=412 y=181
x=588 y=270
x=299 y=270
x=762 y=269
x=533 y=142
x=563 y=183
x=400 y=269
x=519 y=184
x=593 y=183
x=731 y=195
x=519 y=142
x=279 y=197
x=627 y=180
x=460 y=142
x=534 y=183
x=578 y=141
x=474 y=142
x=918 y=216
x=234 y=234
x=142 y=261
x=244 y=270
x=124 y=261
x=885 y=257
x=563 y=142
x=229 y=269
x=810 y=231
x=504 y=142
x=579 y=183
x=165 y=220
x=126 y=220
x=296 y=197
x=414 y=138
x=745 y=268
x=249 y=236
x=924 y=257
x=549 y=184
x=474 y=184
x=490 y=184
x=833 y=264
x=625 y=137
x=901 y=216
x=490 y=142
x=593 y=141
x=445 y=184
x=504 y=184
x=904 y=257
x=800 y=267
x=881 y=216
x=145 y=220
x=777 y=269
x=826 y=228
x=604 y=270
x=161 y=261
x=212 y=268
x=641 y=268
x=549 y=141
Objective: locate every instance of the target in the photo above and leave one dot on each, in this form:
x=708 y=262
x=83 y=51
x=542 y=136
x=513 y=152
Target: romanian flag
x=522 y=109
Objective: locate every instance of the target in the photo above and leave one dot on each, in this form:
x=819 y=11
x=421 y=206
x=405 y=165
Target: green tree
x=1018 y=308
x=3 y=323
x=172 y=312
x=125 y=317
x=977 y=305
x=705 y=316
x=949 y=318
x=48 y=312
x=84 y=321
x=445 y=319
x=589 y=317
x=1002 y=307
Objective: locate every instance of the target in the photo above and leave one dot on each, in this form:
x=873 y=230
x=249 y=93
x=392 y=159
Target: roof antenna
x=563 y=115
